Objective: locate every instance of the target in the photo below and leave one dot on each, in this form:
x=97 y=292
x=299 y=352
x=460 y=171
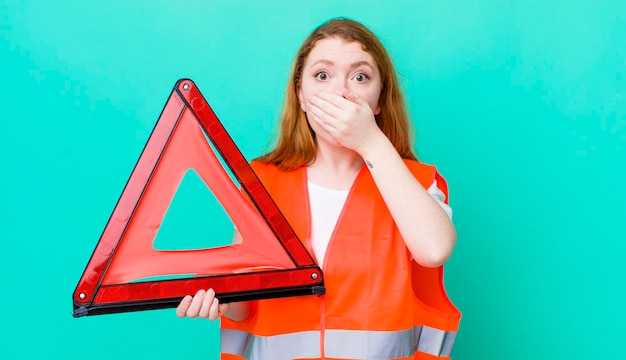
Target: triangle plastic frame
x=125 y=273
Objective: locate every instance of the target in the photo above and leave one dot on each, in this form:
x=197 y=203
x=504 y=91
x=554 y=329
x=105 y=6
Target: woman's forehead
x=336 y=49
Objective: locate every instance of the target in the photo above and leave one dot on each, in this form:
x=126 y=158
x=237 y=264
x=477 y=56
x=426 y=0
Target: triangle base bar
x=151 y=295
x=166 y=303
x=157 y=304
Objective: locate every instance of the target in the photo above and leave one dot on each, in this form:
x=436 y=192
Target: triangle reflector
x=126 y=273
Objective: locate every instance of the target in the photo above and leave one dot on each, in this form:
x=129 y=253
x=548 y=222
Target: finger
x=181 y=310
x=324 y=106
x=326 y=112
x=196 y=303
x=331 y=101
x=214 y=311
x=206 y=303
x=314 y=113
x=322 y=130
x=222 y=308
x=323 y=120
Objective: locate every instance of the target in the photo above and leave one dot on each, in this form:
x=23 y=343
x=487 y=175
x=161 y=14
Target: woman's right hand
x=204 y=304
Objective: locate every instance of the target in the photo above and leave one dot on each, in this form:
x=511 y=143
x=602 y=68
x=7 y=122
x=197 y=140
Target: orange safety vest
x=379 y=304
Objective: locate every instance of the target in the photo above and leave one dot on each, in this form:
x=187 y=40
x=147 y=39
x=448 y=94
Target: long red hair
x=296 y=140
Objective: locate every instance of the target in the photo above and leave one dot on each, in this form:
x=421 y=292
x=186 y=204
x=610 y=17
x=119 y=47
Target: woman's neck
x=334 y=167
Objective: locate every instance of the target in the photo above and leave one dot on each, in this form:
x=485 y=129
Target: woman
x=344 y=174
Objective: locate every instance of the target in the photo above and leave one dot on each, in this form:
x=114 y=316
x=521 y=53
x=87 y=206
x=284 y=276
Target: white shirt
x=326 y=205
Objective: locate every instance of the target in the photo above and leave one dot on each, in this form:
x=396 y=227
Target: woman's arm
x=426 y=228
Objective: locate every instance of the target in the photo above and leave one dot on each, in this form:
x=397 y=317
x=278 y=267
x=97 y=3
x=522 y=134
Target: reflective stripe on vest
x=351 y=344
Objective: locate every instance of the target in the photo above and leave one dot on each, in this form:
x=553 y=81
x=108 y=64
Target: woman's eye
x=321 y=76
x=360 y=77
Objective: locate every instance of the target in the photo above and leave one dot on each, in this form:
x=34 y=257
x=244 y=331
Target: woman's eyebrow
x=323 y=61
x=361 y=63
x=352 y=66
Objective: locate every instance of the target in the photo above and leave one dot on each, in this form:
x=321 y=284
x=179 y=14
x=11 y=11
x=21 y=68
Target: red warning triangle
x=270 y=262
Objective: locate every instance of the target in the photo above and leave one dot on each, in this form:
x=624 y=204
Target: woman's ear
x=377 y=110
x=301 y=99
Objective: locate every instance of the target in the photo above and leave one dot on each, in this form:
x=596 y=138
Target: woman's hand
x=348 y=119
x=204 y=304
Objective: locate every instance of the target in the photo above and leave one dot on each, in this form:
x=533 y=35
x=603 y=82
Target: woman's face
x=337 y=66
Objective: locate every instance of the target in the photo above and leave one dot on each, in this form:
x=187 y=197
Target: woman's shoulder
x=267 y=170
x=263 y=167
x=274 y=178
x=257 y=164
x=269 y=166
x=263 y=170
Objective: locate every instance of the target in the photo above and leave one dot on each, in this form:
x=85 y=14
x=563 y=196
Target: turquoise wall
x=521 y=104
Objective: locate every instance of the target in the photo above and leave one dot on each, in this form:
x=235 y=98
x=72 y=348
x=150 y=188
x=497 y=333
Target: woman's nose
x=338 y=86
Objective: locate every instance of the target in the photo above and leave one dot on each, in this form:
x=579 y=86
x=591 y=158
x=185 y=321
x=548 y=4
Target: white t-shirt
x=326 y=205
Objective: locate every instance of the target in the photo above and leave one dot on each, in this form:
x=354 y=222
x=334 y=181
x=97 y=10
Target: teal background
x=521 y=104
